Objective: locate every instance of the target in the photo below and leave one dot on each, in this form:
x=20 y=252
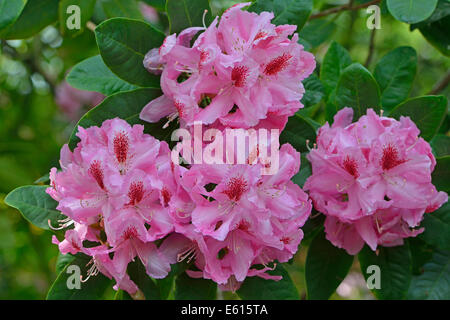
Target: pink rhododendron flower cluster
x=372 y=179
x=121 y=192
x=238 y=72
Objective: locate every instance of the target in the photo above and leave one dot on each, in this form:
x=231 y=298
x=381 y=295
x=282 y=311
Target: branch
x=344 y=7
x=371 y=48
x=441 y=85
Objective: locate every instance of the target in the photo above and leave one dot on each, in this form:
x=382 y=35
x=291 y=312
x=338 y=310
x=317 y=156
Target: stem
x=371 y=48
x=441 y=85
x=344 y=7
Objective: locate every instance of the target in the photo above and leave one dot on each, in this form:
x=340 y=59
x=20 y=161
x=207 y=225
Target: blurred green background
x=38 y=112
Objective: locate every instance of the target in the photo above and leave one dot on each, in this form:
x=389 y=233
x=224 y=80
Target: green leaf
x=441 y=145
x=318 y=31
x=427 y=112
x=326 y=267
x=434 y=283
x=139 y=276
x=437 y=227
x=36 y=15
x=421 y=253
x=357 y=89
x=297 y=131
x=9 y=11
x=286 y=11
x=86 y=11
x=35 y=205
x=157 y=4
x=127 y=106
x=62 y=261
x=336 y=59
x=314 y=91
x=396 y=270
x=121 y=8
x=187 y=288
x=187 y=13
x=90 y=290
x=123 y=44
x=256 y=288
x=93 y=75
x=411 y=11
x=395 y=74
x=441 y=174
x=304 y=173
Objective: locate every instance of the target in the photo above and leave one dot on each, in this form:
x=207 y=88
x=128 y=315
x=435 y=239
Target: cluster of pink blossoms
x=240 y=72
x=121 y=192
x=372 y=179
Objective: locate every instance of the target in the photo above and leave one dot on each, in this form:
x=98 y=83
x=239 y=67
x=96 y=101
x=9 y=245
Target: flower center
x=131 y=232
x=239 y=75
x=390 y=158
x=236 y=188
x=96 y=171
x=121 y=147
x=136 y=192
x=351 y=166
x=277 y=64
x=166 y=196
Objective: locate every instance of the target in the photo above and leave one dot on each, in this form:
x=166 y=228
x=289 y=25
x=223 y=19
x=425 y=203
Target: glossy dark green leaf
x=256 y=288
x=93 y=75
x=36 y=15
x=157 y=4
x=122 y=8
x=35 y=205
x=123 y=44
x=124 y=105
x=147 y=285
x=314 y=91
x=66 y=13
x=437 y=227
x=90 y=290
x=421 y=253
x=336 y=59
x=357 y=89
x=395 y=265
x=304 y=173
x=62 y=261
x=326 y=267
x=286 y=11
x=187 y=288
x=434 y=282
x=441 y=145
x=9 y=11
x=187 y=13
x=395 y=74
x=411 y=11
x=441 y=174
x=427 y=112
x=297 y=131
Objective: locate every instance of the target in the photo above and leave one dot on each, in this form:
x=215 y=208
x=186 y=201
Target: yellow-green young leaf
x=35 y=205
x=434 y=282
x=256 y=288
x=357 y=89
x=36 y=15
x=336 y=59
x=187 y=288
x=411 y=11
x=90 y=290
x=127 y=106
x=326 y=267
x=187 y=13
x=73 y=15
x=93 y=75
x=286 y=11
x=427 y=112
x=123 y=44
x=395 y=265
x=395 y=74
x=9 y=11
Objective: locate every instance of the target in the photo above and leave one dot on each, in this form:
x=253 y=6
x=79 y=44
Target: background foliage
x=397 y=68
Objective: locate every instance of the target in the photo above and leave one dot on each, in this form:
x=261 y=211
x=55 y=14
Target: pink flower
x=372 y=179
x=240 y=219
x=116 y=187
x=241 y=72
